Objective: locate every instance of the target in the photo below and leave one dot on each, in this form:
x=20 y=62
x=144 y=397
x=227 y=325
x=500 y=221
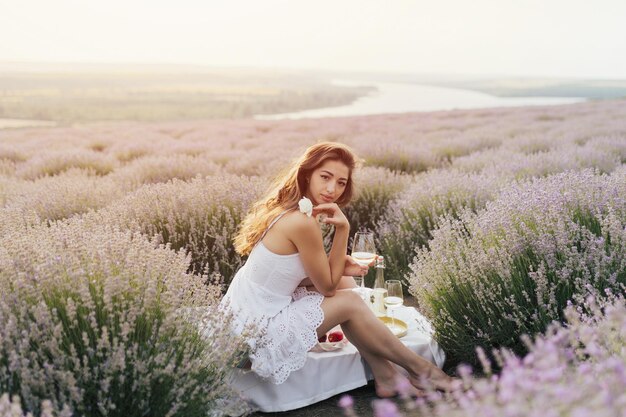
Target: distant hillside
x=506 y=86
x=512 y=87
x=148 y=94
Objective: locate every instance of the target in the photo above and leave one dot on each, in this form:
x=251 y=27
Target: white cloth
x=265 y=291
x=329 y=373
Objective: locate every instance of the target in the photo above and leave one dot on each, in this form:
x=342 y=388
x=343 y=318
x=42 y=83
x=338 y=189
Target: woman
x=296 y=292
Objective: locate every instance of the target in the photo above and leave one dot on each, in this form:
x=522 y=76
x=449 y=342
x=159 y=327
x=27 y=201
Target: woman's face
x=328 y=182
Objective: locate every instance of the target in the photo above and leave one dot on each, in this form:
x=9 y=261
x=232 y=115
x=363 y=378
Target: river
x=402 y=98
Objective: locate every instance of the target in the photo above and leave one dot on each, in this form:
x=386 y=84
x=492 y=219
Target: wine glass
x=394 y=298
x=363 y=250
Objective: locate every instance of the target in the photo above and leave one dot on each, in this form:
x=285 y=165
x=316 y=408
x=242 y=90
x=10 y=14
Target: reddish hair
x=289 y=187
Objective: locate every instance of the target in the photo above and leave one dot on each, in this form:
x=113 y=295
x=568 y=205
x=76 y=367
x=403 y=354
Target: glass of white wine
x=363 y=250
x=394 y=298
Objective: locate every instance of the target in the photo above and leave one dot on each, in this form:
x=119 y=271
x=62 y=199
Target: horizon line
x=75 y=65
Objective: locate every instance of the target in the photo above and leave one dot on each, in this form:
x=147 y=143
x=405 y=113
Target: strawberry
x=322 y=339
x=335 y=337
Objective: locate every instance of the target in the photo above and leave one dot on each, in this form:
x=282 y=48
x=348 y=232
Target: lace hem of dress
x=276 y=357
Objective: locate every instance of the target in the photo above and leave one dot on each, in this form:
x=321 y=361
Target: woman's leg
x=386 y=376
x=346 y=282
x=373 y=339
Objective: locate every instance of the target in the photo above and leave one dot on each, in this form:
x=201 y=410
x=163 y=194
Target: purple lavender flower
x=512 y=268
x=346 y=401
x=385 y=408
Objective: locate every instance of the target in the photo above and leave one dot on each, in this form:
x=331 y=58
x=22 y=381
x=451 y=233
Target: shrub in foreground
x=574 y=370
x=470 y=183
x=12 y=407
x=102 y=322
x=490 y=277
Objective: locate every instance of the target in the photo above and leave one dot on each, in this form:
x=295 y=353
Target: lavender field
x=508 y=226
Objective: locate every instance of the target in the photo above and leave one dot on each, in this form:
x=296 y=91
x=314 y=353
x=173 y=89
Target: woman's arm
x=351 y=269
x=324 y=272
x=337 y=255
x=346 y=282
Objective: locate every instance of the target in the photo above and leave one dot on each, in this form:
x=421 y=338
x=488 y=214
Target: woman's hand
x=334 y=215
x=352 y=268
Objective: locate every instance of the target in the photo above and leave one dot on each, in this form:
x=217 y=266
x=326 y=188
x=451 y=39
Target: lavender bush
x=399 y=159
x=56 y=162
x=506 y=162
x=156 y=169
x=7 y=168
x=376 y=188
x=11 y=153
x=7 y=188
x=473 y=180
x=16 y=220
x=408 y=222
x=199 y=217
x=574 y=370
x=126 y=152
x=613 y=144
x=488 y=278
x=12 y=407
x=102 y=322
x=62 y=196
x=95 y=177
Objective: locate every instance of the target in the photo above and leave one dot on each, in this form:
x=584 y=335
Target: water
x=402 y=98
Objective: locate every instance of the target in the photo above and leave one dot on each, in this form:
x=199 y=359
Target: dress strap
x=272 y=223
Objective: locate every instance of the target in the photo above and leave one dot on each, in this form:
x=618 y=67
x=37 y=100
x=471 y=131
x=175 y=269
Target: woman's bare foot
x=437 y=379
x=400 y=385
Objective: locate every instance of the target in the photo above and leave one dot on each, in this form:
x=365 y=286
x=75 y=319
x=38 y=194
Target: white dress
x=265 y=291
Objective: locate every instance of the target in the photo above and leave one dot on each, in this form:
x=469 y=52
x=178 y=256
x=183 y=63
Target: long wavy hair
x=289 y=187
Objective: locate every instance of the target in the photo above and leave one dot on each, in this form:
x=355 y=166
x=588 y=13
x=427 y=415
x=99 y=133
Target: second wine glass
x=394 y=298
x=363 y=250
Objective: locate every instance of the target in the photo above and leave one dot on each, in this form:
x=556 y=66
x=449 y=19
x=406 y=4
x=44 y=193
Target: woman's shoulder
x=298 y=222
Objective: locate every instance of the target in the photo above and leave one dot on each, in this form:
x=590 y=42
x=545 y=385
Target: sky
x=547 y=38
